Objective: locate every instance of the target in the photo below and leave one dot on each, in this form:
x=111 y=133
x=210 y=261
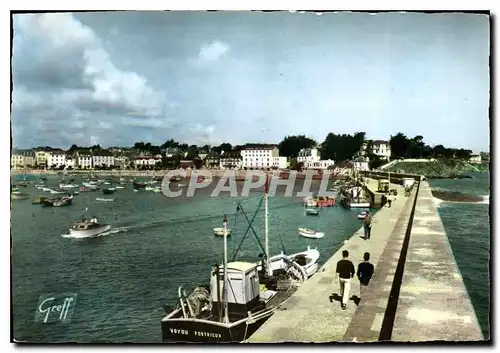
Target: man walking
x=365 y=272
x=345 y=271
x=367 y=223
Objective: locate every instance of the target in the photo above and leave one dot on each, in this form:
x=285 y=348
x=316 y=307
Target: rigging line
x=248 y=228
x=251 y=226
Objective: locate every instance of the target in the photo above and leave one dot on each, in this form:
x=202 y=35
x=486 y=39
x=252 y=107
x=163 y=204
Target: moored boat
x=312 y=211
x=108 y=191
x=311 y=233
x=38 y=200
x=104 y=200
x=58 y=192
x=220 y=231
x=63 y=201
x=18 y=195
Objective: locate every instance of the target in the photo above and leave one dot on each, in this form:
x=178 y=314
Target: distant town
x=294 y=152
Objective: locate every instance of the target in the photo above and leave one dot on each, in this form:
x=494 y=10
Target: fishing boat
x=57 y=192
x=67 y=186
x=46 y=189
x=310 y=202
x=63 y=201
x=311 y=233
x=18 y=195
x=240 y=298
x=88 y=228
x=108 y=191
x=139 y=185
x=220 y=232
x=38 y=200
x=104 y=200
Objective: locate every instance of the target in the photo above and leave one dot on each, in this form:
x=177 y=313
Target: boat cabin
x=243 y=292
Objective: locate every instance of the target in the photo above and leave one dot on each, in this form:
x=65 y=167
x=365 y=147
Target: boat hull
x=89 y=232
x=204 y=331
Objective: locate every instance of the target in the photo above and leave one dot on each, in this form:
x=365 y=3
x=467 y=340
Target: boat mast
x=266 y=229
x=224 y=303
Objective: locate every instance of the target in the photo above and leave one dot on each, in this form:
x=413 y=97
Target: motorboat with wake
x=88 y=228
x=240 y=296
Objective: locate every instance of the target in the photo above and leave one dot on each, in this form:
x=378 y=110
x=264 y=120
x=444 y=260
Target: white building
x=259 y=157
x=84 y=160
x=103 y=158
x=22 y=159
x=121 y=161
x=56 y=158
x=320 y=164
x=361 y=164
x=475 y=158
x=230 y=162
x=280 y=162
x=382 y=149
x=308 y=155
x=146 y=160
x=70 y=161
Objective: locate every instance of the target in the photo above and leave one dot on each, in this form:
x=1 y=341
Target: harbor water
x=124 y=277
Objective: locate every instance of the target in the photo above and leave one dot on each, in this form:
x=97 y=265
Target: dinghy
x=312 y=211
x=104 y=200
x=220 y=232
x=311 y=233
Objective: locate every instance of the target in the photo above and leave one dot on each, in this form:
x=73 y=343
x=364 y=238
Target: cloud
x=213 y=51
x=63 y=73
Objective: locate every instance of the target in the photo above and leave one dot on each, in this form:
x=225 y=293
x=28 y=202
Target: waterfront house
x=475 y=158
x=84 y=160
x=280 y=162
x=230 y=161
x=41 y=158
x=56 y=158
x=212 y=160
x=307 y=155
x=320 y=164
x=146 y=160
x=70 y=162
x=381 y=148
x=361 y=163
x=103 y=158
x=259 y=157
x=121 y=161
x=22 y=159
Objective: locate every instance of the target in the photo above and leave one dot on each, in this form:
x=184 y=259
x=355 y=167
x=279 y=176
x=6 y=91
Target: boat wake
x=109 y=232
x=485 y=201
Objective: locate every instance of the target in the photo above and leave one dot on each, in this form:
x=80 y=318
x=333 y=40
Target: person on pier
x=345 y=271
x=365 y=272
x=367 y=224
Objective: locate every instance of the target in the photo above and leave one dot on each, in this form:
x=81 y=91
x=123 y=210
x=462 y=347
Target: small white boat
x=119 y=187
x=220 y=232
x=58 y=192
x=359 y=204
x=149 y=188
x=312 y=211
x=88 y=228
x=67 y=186
x=18 y=195
x=307 y=260
x=107 y=183
x=112 y=188
x=157 y=190
x=46 y=189
x=104 y=200
x=311 y=233
x=362 y=215
x=310 y=202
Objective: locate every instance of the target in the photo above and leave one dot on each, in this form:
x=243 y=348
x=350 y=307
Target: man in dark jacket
x=365 y=272
x=345 y=271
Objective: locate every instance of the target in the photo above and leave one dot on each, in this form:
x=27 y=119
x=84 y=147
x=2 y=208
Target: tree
x=198 y=163
x=341 y=147
x=170 y=144
x=291 y=145
x=399 y=146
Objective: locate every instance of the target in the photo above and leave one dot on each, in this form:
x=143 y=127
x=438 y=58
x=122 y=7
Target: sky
x=210 y=77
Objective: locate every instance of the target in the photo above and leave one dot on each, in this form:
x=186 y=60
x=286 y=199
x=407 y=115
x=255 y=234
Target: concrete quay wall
x=433 y=302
